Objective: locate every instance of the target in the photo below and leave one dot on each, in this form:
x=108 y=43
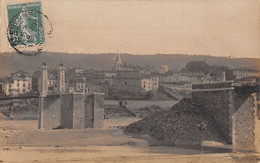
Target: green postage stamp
x=25 y=24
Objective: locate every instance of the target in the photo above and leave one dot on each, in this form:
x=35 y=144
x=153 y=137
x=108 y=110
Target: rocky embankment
x=186 y=123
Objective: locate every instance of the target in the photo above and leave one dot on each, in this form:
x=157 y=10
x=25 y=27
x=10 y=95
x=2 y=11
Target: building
x=127 y=80
x=150 y=83
x=98 y=78
x=134 y=81
x=119 y=66
x=241 y=73
x=78 y=85
x=109 y=73
x=246 y=81
x=17 y=84
x=174 y=77
x=193 y=78
x=163 y=69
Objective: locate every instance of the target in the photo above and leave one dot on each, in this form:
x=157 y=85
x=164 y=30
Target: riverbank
x=21 y=141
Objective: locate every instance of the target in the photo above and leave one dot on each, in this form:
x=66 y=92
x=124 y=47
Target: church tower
x=118 y=64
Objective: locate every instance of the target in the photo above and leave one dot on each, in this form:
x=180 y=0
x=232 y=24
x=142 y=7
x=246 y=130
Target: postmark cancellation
x=26 y=29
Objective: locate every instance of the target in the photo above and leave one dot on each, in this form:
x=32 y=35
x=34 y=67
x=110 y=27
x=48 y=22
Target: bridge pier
x=41 y=112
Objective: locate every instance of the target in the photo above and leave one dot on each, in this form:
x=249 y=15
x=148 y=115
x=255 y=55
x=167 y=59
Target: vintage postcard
x=130 y=81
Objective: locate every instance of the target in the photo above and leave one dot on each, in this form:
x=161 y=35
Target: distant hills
x=11 y=62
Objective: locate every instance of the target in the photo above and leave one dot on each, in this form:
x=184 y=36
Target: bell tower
x=118 y=63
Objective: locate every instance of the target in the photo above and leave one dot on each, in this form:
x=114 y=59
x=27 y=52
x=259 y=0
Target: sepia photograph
x=130 y=81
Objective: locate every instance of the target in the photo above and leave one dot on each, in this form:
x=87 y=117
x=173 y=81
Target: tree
x=197 y=66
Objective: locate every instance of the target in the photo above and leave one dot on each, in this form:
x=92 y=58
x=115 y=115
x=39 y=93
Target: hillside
x=11 y=62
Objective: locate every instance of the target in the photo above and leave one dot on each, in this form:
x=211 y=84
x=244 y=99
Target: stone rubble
x=178 y=126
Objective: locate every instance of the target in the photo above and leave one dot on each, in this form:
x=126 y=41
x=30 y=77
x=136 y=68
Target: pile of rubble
x=186 y=123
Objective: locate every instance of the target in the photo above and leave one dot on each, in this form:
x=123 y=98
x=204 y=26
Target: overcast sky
x=213 y=27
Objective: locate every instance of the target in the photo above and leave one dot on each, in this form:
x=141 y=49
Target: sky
x=207 y=27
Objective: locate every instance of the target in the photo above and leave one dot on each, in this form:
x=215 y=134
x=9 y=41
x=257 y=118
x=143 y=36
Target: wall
x=257 y=120
x=95 y=110
x=24 y=115
x=218 y=108
x=232 y=109
x=98 y=110
x=136 y=104
x=127 y=83
x=245 y=119
x=51 y=112
x=244 y=123
x=89 y=113
x=78 y=111
x=67 y=110
x=75 y=111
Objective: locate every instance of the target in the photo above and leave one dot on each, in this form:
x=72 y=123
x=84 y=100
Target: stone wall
x=244 y=123
x=67 y=110
x=257 y=120
x=75 y=111
x=98 y=110
x=89 y=104
x=218 y=108
x=78 y=111
x=95 y=110
x=232 y=109
x=51 y=112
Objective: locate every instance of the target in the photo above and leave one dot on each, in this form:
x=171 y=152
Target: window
x=23 y=85
x=18 y=84
x=23 y=90
x=125 y=83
